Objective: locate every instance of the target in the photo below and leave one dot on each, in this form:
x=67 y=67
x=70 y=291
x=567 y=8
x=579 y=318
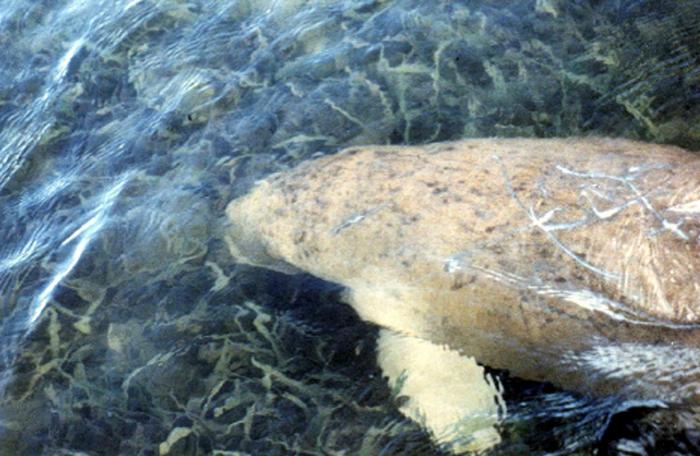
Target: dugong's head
x=249 y=236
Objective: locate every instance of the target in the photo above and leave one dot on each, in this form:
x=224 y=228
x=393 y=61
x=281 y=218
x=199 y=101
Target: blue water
x=127 y=126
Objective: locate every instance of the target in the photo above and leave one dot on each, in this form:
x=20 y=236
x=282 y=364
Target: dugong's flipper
x=450 y=394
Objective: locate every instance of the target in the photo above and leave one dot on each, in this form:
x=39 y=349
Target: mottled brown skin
x=568 y=260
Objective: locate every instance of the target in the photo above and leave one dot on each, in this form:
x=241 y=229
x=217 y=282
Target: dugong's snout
x=245 y=239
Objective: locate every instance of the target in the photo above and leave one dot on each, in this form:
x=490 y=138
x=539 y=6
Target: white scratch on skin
x=628 y=182
x=584 y=298
x=348 y=223
x=558 y=226
x=580 y=261
x=607 y=213
x=675 y=228
x=453 y=265
x=593 y=189
x=356 y=218
x=539 y=222
x=592 y=301
x=690 y=208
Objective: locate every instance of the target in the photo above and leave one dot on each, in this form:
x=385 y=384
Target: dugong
x=573 y=261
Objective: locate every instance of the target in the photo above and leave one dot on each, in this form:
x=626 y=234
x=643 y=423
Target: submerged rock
x=572 y=261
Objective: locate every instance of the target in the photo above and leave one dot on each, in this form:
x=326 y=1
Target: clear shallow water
x=125 y=129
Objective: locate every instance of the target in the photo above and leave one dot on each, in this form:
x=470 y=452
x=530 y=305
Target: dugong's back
x=545 y=257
